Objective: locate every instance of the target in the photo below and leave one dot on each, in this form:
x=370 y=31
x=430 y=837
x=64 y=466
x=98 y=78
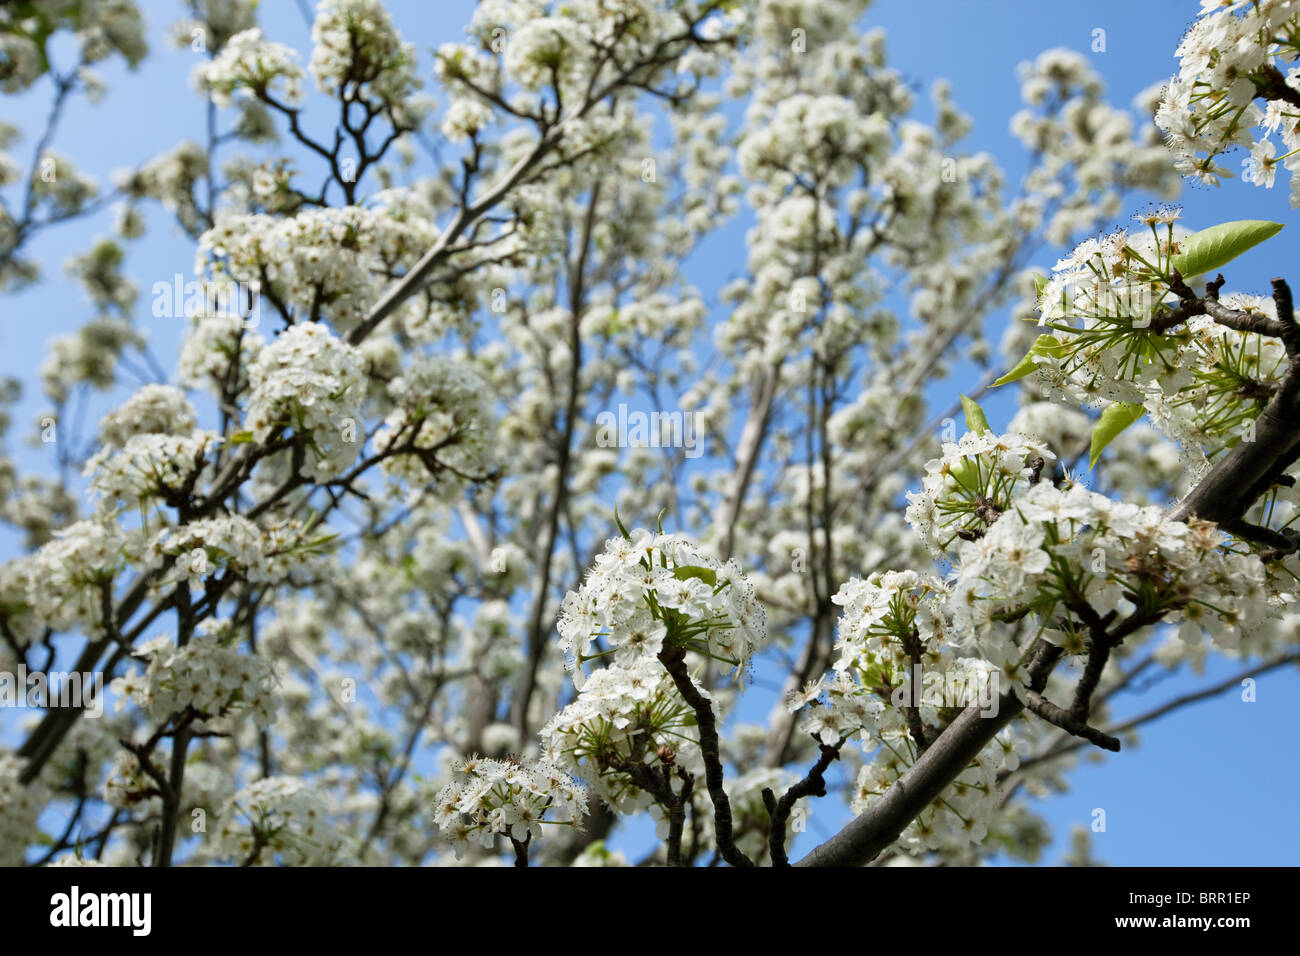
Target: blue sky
x=1206 y=785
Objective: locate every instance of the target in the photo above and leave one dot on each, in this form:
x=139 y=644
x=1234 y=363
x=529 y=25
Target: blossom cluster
x=489 y=799
x=62 y=185
x=62 y=585
x=22 y=62
x=895 y=633
x=621 y=718
x=1201 y=383
x=110 y=26
x=168 y=178
x=150 y=468
x=441 y=421
x=19 y=809
x=308 y=380
x=1031 y=557
x=821 y=137
x=1235 y=53
x=99 y=271
x=1058 y=547
x=88 y=356
x=572 y=46
x=1019 y=545
x=355 y=46
x=207 y=675
x=101 y=29
x=278 y=818
x=218 y=21
x=127 y=783
x=548 y=49
x=971 y=483
x=198 y=550
x=153 y=410
x=250 y=64
x=213 y=345
x=1071 y=125
x=321 y=262
x=1113 y=278
x=892 y=622
x=646 y=591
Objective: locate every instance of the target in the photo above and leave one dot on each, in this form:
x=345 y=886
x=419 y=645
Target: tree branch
x=951 y=753
x=674 y=659
x=813 y=785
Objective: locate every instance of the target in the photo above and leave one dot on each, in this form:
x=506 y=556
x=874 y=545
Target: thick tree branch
x=1044 y=708
x=1249 y=468
x=674 y=659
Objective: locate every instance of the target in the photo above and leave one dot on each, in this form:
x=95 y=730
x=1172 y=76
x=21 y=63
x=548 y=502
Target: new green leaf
x=1114 y=420
x=687 y=571
x=1043 y=345
x=621 y=530
x=1215 y=247
x=975 y=420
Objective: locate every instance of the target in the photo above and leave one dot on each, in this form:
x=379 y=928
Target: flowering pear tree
x=368 y=574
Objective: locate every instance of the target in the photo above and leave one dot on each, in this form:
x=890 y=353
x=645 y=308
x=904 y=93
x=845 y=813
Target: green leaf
x=1114 y=420
x=1214 y=247
x=687 y=571
x=966 y=474
x=975 y=420
x=1043 y=345
x=621 y=530
x=241 y=438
